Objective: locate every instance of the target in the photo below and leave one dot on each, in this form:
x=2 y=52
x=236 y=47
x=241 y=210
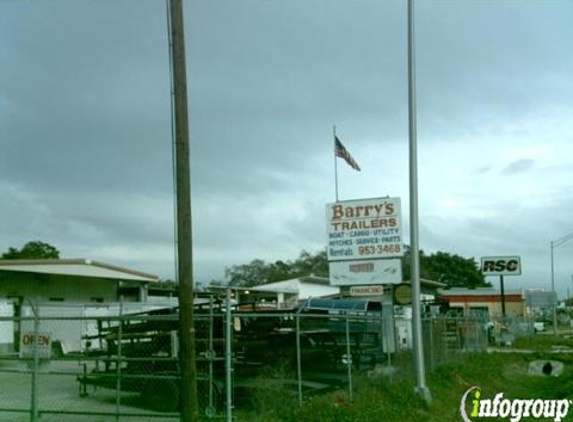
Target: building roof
x=75 y=267
x=430 y=284
x=480 y=291
x=292 y=285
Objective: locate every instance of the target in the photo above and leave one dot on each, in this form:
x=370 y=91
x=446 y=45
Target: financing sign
x=367 y=272
x=364 y=229
x=367 y=291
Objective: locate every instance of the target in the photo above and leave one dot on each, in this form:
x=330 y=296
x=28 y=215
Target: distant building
x=484 y=301
x=539 y=299
x=71 y=280
x=287 y=293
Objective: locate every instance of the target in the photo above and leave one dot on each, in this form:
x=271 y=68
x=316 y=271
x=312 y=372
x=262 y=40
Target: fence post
x=228 y=351
x=35 y=365
x=298 y=360
x=118 y=361
x=385 y=339
x=430 y=322
x=348 y=358
x=211 y=354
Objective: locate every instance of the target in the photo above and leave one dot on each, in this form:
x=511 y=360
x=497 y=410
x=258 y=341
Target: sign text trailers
x=364 y=229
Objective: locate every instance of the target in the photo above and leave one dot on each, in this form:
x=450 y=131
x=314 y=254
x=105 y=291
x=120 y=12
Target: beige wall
x=494 y=308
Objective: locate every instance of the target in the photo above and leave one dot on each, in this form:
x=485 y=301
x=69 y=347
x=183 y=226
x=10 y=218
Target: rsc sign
x=501 y=265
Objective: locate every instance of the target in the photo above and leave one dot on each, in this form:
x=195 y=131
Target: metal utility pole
x=554 y=309
x=554 y=244
x=421 y=386
x=189 y=405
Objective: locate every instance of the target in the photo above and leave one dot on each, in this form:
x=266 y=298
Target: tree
x=259 y=272
x=452 y=269
x=32 y=250
x=246 y=275
x=316 y=264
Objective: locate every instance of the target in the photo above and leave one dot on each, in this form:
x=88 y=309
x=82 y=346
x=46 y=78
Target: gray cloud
x=85 y=129
x=519 y=166
x=482 y=170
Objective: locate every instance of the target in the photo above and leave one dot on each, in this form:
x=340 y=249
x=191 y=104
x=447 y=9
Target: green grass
x=377 y=400
x=544 y=342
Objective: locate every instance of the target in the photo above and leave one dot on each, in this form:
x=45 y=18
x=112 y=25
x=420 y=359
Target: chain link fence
x=67 y=365
x=121 y=367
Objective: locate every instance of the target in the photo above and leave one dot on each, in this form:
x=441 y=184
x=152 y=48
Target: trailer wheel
x=162 y=395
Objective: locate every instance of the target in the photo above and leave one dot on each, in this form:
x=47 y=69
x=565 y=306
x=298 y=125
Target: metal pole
x=335 y=163
x=570 y=304
x=502 y=296
x=118 y=360
x=553 y=244
x=211 y=354
x=189 y=403
x=36 y=361
x=553 y=291
x=431 y=329
x=421 y=387
x=228 y=351
x=385 y=340
x=348 y=359
x=298 y=361
x=396 y=346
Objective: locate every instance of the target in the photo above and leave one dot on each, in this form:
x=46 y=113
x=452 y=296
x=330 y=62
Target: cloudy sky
x=86 y=146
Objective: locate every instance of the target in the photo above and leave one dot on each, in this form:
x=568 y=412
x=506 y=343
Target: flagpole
x=335 y=162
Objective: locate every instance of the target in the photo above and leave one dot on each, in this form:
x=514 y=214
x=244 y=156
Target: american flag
x=342 y=152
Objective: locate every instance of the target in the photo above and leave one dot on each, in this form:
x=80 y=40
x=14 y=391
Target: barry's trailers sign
x=364 y=229
x=501 y=265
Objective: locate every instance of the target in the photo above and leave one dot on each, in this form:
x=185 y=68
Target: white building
x=287 y=293
x=66 y=288
x=71 y=280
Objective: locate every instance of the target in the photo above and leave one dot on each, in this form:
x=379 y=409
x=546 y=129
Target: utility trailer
x=329 y=332
x=140 y=354
x=321 y=338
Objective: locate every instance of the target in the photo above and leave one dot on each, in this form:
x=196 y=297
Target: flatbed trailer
x=141 y=355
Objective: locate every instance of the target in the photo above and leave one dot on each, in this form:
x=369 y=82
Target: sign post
x=501 y=266
x=502 y=296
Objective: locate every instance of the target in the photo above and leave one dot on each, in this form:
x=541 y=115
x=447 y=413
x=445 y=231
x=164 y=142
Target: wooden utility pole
x=188 y=390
